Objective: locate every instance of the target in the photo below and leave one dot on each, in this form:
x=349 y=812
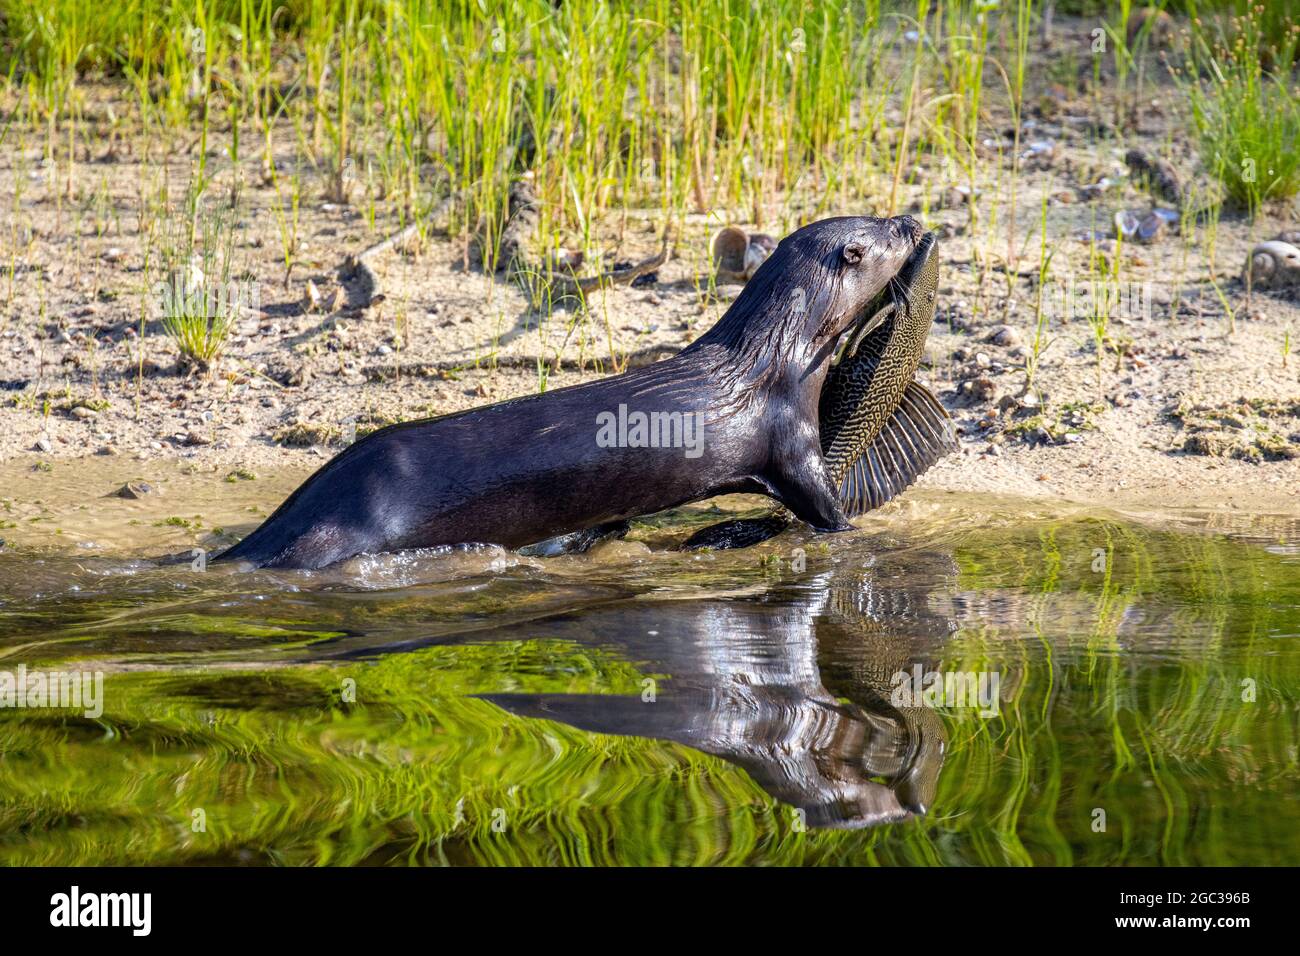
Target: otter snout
x=906 y=228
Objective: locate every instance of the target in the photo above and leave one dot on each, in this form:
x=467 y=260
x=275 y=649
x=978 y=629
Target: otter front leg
x=802 y=485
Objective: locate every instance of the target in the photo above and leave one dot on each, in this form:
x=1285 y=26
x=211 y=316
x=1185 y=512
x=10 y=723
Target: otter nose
x=905 y=227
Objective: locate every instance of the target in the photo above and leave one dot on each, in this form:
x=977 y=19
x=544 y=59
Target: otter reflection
x=792 y=685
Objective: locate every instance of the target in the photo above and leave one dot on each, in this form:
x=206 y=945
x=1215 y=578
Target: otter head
x=820 y=282
x=862 y=254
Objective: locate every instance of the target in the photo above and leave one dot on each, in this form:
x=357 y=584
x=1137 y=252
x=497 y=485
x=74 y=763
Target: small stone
x=979 y=389
x=1004 y=336
x=982 y=359
x=84 y=413
x=135 y=489
x=311 y=300
x=114 y=254
x=44 y=444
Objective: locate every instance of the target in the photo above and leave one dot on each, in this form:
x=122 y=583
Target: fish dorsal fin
x=916 y=435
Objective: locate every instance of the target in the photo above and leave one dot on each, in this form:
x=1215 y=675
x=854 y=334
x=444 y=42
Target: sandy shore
x=1183 y=406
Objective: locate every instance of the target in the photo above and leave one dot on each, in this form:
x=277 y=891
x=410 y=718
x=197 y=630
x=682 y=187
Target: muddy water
x=1082 y=687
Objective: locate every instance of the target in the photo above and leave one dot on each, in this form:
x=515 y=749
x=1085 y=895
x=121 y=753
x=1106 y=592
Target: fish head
x=898 y=319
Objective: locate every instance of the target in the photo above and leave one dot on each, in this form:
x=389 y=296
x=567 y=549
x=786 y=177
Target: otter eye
x=853 y=252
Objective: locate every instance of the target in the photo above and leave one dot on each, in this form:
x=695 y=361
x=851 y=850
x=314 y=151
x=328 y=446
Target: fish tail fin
x=916 y=435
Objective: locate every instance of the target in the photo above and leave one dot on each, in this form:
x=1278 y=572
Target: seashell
x=1272 y=265
x=1040 y=153
x=760 y=247
x=1127 y=223
x=728 y=248
x=311 y=300
x=568 y=259
x=1151 y=228
x=738 y=254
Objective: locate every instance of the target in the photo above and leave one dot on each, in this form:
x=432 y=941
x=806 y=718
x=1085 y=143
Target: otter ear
x=853 y=251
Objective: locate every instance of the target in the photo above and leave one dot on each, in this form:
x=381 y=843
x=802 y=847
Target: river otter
x=880 y=428
x=524 y=470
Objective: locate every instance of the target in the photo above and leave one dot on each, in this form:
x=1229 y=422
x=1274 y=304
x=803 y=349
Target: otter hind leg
x=738 y=533
x=577 y=542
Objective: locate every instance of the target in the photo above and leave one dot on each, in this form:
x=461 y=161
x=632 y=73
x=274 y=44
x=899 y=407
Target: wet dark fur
x=524 y=470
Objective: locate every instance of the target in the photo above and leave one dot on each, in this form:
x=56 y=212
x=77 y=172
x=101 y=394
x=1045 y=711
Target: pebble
x=1004 y=336
x=84 y=413
x=311 y=300
x=135 y=489
x=981 y=389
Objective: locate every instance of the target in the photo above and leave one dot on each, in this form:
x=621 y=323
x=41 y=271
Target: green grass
x=770 y=111
x=1247 y=118
x=200 y=297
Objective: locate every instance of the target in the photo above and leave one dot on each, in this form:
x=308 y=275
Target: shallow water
x=637 y=706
